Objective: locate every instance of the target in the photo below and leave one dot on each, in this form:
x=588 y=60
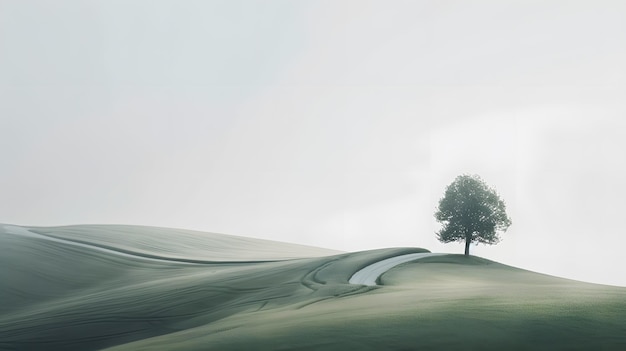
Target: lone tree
x=471 y=211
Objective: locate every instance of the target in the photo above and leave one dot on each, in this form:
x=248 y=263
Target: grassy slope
x=439 y=303
x=70 y=298
x=73 y=298
x=188 y=245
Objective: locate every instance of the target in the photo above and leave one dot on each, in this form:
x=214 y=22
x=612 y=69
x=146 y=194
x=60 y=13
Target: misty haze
x=306 y=175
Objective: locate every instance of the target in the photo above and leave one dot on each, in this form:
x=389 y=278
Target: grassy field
x=217 y=292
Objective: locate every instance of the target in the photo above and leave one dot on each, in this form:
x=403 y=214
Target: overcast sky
x=329 y=123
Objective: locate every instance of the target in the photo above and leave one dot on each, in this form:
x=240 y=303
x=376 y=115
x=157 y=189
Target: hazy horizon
x=334 y=124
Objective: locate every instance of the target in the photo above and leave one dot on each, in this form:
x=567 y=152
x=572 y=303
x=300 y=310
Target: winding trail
x=369 y=274
x=366 y=276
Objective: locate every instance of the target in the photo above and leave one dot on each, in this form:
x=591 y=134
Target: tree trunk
x=468 y=239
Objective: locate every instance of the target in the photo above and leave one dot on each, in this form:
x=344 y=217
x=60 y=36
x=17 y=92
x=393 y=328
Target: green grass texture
x=183 y=290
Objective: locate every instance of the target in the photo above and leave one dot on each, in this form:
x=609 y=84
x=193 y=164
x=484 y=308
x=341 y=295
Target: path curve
x=369 y=274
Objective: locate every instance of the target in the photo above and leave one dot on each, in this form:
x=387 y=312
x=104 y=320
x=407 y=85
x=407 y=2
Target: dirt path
x=369 y=274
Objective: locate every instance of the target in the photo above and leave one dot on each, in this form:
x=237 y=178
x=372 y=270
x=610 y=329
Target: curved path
x=369 y=274
x=366 y=276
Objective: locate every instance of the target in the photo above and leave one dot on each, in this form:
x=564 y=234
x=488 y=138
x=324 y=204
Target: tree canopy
x=471 y=211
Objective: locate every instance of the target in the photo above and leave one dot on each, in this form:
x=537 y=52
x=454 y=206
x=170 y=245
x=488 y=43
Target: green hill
x=65 y=296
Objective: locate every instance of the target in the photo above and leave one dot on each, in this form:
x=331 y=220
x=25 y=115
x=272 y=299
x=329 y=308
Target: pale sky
x=329 y=123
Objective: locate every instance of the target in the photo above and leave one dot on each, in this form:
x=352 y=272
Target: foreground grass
x=439 y=303
x=62 y=297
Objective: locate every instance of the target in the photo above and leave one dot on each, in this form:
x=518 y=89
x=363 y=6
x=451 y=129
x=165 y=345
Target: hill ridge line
x=17 y=230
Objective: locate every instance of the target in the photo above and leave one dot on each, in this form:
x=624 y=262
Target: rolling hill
x=142 y=288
